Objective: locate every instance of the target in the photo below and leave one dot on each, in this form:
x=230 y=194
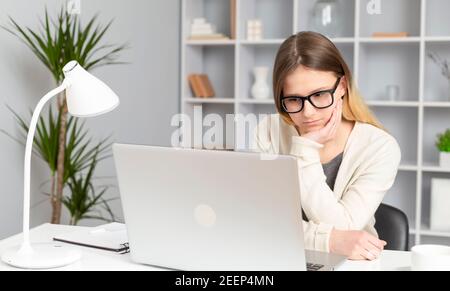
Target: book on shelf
x=201 y=85
x=195 y=84
x=390 y=34
x=209 y=90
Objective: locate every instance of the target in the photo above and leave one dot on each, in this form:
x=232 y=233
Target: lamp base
x=41 y=256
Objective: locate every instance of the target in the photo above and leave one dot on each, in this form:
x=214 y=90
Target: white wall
x=148 y=88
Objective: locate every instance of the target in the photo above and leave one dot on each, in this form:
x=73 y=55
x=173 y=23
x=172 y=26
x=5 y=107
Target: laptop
x=191 y=209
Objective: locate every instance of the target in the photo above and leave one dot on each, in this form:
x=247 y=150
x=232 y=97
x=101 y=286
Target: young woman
x=346 y=160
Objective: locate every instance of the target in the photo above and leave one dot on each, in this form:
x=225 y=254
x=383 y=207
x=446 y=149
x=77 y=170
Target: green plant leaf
x=443 y=141
x=85 y=199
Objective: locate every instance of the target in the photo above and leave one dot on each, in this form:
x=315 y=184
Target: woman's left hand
x=328 y=132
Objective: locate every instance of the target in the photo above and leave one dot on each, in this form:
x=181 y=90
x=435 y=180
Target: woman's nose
x=308 y=109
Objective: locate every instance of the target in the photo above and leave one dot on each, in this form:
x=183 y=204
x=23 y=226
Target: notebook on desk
x=110 y=237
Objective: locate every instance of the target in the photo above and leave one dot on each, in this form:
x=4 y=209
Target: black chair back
x=392 y=226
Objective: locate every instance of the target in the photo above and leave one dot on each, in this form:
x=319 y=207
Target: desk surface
x=93 y=259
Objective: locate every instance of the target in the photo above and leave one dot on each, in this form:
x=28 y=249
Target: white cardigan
x=368 y=170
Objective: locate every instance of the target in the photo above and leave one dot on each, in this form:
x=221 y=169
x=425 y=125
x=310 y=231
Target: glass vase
x=327 y=18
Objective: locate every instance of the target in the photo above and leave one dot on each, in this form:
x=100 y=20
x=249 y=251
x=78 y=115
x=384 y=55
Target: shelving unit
x=423 y=108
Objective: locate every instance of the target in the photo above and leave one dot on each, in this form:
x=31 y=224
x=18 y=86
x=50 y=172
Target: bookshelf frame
x=421 y=113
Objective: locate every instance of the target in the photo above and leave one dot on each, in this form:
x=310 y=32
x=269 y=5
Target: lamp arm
x=27 y=165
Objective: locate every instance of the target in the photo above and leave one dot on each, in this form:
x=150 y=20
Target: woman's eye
x=318 y=94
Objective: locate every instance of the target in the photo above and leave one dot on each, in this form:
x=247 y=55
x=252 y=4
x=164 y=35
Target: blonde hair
x=315 y=51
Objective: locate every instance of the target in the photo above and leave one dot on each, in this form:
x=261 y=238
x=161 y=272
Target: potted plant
x=443 y=145
x=61 y=141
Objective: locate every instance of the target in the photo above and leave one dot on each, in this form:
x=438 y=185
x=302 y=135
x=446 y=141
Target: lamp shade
x=86 y=95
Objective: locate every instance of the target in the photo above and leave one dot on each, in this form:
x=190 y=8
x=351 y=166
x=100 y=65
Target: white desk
x=93 y=259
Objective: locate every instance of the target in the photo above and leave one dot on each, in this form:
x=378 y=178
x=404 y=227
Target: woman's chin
x=312 y=127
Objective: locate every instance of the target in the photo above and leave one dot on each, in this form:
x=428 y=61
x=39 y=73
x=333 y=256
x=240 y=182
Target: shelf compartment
x=215 y=61
x=389 y=64
x=216 y=12
x=437 y=20
x=436 y=121
x=405 y=132
x=254 y=56
x=396 y=16
x=437 y=87
x=402 y=195
x=252 y=115
x=276 y=17
x=347 y=10
x=205 y=119
x=348 y=53
x=257 y=108
x=426 y=199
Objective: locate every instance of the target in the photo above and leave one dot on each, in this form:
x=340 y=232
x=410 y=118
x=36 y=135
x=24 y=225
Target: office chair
x=392 y=227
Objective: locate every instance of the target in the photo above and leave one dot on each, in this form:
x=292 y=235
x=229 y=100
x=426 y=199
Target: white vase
x=260 y=89
x=440 y=201
x=444 y=160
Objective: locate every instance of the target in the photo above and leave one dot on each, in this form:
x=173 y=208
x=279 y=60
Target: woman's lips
x=311 y=123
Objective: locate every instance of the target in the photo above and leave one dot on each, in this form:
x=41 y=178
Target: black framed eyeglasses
x=321 y=100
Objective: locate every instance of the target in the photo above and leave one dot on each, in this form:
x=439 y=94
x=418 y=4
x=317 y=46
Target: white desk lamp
x=86 y=96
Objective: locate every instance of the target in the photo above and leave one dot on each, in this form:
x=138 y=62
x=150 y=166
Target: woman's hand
x=328 y=132
x=356 y=245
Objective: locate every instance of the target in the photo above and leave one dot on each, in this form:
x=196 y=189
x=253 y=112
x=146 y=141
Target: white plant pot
x=444 y=160
x=440 y=204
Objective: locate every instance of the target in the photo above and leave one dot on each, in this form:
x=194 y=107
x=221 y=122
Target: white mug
x=393 y=92
x=430 y=258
